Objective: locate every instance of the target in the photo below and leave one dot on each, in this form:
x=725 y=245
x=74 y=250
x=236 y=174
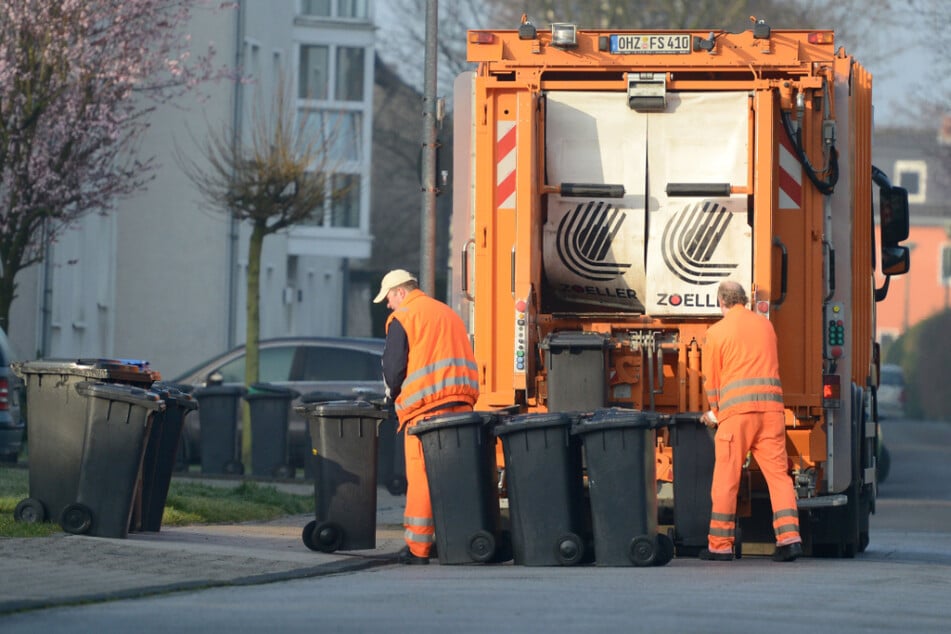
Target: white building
x=163 y=278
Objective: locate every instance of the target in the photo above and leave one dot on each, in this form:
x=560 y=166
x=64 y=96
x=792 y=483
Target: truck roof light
x=564 y=35
x=821 y=37
x=481 y=37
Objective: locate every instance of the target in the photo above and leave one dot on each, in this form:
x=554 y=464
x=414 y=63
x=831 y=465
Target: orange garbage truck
x=607 y=181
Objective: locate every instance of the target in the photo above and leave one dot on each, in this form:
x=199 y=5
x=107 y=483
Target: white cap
x=391 y=280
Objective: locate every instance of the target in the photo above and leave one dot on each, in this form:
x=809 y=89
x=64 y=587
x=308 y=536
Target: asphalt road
x=901 y=583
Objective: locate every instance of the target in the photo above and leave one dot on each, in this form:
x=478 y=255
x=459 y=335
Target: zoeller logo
x=690 y=241
x=584 y=241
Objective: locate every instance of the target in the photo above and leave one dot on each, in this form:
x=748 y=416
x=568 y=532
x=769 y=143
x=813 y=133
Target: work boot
x=706 y=555
x=406 y=556
x=789 y=552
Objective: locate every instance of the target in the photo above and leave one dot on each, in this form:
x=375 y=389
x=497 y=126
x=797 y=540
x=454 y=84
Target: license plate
x=650 y=44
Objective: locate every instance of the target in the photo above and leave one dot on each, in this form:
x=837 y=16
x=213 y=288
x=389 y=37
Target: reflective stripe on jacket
x=741 y=364
x=440 y=367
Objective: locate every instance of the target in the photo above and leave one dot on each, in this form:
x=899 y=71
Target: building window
x=314 y=75
x=349 y=9
x=913 y=176
x=337 y=135
x=349 y=85
x=946 y=265
x=345 y=205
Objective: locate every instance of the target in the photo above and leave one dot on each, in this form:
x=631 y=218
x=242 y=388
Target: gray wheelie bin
x=161 y=456
x=344 y=442
x=544 y=474
x=56 y=425
x=270 y=407
x=118 y=420
x=219 y=407
x=459 y=450
x=619 y=455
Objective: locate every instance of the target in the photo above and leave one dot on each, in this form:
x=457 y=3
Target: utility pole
x=427 y=255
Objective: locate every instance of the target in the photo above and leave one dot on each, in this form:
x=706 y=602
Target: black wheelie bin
x=693 y=457
x=118 y=420
x=344 y=442
x=219 y=408
x=161 y=456
x=619 y=455
x=56 y=425
x=459 y=451
x=270 y=407
x=544 y=477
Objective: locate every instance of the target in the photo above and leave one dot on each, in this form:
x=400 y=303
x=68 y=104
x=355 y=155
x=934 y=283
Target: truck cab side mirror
x=895 y=260
x=894 y=215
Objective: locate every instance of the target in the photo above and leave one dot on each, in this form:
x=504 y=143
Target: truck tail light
x=481 y=37
x=4 y=394
x=831 y=390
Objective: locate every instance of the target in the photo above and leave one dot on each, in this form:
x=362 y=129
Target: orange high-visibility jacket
x=741 y=365
x=441 y=367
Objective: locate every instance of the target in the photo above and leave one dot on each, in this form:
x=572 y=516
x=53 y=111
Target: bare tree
x=278 y=177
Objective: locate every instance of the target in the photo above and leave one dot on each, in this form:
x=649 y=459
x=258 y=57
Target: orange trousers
x=419 y=528
x=763 y=434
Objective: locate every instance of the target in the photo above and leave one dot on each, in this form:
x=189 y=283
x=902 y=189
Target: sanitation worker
x=741 y=379
x=429 y=369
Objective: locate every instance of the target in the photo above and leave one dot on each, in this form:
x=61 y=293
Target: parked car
x=11 y=422
x=891 y=392
x=349 y=366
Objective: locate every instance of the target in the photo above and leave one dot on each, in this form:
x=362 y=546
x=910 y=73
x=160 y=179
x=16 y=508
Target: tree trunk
x=7 y=293
x=253 y=333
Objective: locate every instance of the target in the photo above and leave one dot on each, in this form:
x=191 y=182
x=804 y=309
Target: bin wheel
x=396 y=485
x=326 y=537
x=233 y=467
x=481 y=546
x=569 y=549
x=665 y=550
x=30 y=511
x=283 y=471
x=642 y=551
x=76 y=519
x=307 y=535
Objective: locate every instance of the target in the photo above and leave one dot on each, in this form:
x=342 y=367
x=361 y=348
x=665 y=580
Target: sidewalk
x=66 y=569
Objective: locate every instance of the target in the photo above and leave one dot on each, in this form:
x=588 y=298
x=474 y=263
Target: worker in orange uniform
x=429 y=368
x=741 y=379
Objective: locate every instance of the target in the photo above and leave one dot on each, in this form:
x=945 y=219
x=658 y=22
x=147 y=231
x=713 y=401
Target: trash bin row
x=554 y=519
x=105 y=434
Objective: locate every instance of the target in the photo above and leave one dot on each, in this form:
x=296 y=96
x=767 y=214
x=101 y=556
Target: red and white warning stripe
x=790 y=175
x=505 y=165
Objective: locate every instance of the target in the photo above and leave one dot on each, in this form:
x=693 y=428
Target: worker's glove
x=709 y=419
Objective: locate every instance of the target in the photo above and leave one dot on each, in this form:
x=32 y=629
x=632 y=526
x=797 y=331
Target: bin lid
x=120 y=392
x=525 y=422
x=454 y=419
x=341 y=409
x=618 y=417
x=573 y=339
x=323 y=397
x=270 y=391
x=112 y=369
x=174 y=395
x=219 y=390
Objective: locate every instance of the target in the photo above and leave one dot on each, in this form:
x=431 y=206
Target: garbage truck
x=606 y=181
